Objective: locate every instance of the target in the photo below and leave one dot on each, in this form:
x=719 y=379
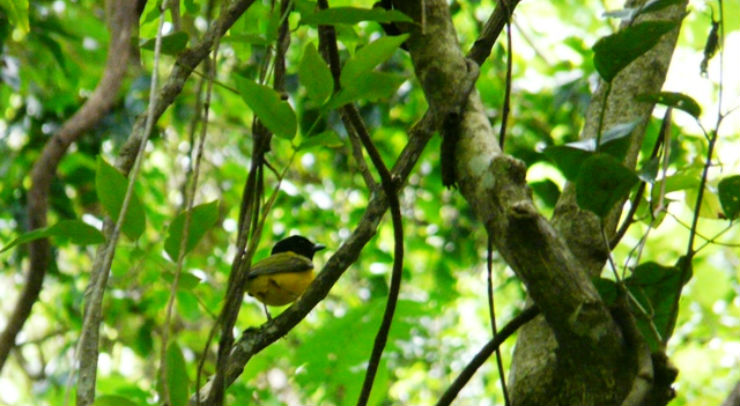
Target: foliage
x=53 y=54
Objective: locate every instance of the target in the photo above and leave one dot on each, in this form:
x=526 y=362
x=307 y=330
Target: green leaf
x=275 y=114
x=328 y=139
x=17 y=12
x=110 y=185
x=569 y=158
x=187 y=281
x=202 y=219
x=172 y=44
x=113 y=400
x=177 y=377
x=602 y=181
x=75 y=231
x=710 y=207
x=630 y=13
x=607 y=289
x=649 y=170
x=729 y=196
x=315 y=75
x=354 y=15
x=371 y=86
x=672 y=99
x=615 y=140
x=614 y=52
x=656 y=287
x=367 y=58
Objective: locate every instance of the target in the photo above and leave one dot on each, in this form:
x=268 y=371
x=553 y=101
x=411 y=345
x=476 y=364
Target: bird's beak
x=318 y=247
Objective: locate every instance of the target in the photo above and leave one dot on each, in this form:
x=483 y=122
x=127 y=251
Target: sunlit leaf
x=178 y=382
x=275 y=114
x=110 y=185
x=315 y=75
x=75 y=231
x=17 y=12
x=202 y=219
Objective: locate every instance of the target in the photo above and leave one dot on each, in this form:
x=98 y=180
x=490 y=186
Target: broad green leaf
x=275 y=114
x=602 y=181
x=177 y=376
x=17 y=12
x=656 y=286
x=172 y=44
x=187 y=306
x=187 y=281
x=710 y=208
x=75 y=231
x=672 y=99
x=202 y=219
x=614 y=52
x=607 y=289
x=729 y=196
x=354 y=15
x=569 y=158
x=315 y=75
x=110 y=185
x=367 y=58
x=649 y=170
x=113 y=400
x=615 y=140
x=328 y=139
x=371 y=86
x=245 y=38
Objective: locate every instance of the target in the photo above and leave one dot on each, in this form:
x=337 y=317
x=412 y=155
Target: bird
x=282 y=277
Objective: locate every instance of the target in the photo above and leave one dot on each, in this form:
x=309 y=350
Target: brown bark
x=122 y=21
x=534 y=374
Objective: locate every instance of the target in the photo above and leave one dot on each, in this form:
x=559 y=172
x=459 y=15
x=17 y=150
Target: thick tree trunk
x=535 y=376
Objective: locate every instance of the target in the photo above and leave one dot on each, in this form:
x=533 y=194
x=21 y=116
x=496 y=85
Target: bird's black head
x=298 y=244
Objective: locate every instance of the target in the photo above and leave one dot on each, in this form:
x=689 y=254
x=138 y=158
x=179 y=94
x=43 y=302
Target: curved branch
x=122 y=22
x=521 y=319
x=256 y=339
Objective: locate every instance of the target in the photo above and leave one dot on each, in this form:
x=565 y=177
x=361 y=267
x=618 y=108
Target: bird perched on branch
x=283 y=276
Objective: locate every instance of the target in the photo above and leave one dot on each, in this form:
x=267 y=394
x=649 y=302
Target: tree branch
x=256 y=339
x=521 y=319
x=122 y=22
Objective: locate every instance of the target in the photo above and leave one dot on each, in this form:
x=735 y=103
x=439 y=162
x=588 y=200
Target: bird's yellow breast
x=278 y=289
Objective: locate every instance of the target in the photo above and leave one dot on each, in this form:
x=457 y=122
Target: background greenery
x=49 y=67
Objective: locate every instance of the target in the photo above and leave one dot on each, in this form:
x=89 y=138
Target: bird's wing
x=283 y=262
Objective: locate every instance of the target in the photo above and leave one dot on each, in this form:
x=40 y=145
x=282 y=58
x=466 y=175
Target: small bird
x=283 y=276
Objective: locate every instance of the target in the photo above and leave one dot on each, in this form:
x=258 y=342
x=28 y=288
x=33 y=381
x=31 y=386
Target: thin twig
x=507 y=91
x=88 y=344
x=190 y=199
x=492 y=316
x=451 y=393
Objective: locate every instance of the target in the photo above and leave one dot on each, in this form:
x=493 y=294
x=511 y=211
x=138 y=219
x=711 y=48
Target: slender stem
x=492 y=315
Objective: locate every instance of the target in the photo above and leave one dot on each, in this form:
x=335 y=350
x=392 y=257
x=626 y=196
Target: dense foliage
x=52 y=55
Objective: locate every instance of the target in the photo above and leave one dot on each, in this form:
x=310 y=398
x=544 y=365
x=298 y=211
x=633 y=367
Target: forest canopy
x=468 y=165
